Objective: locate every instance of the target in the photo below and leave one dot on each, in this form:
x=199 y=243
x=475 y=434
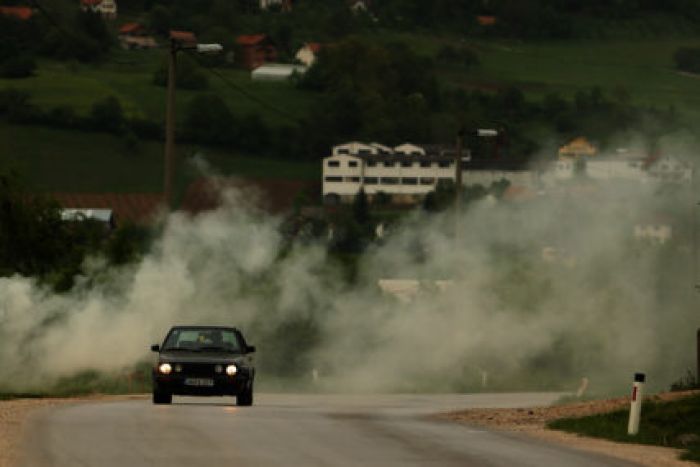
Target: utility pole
x=170 y=126
x=176 y=45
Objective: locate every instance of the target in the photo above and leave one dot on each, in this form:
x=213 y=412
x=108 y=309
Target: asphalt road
x=289 y=430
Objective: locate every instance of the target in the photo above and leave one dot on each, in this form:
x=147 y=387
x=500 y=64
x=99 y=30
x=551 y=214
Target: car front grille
x=197 y=369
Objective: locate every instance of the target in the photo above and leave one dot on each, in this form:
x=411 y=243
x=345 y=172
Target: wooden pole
x=697 y=374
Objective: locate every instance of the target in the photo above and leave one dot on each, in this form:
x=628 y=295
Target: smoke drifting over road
x=597 y=303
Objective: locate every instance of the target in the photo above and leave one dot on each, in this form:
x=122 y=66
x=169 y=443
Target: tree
x=208 y=119
x=19 y=66
x=107 y=114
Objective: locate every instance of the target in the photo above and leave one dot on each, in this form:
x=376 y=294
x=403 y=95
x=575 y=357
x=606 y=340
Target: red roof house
x=22 y=13
x=132 y=29
x=255 y=50
x=184 y=37
x=486 y=20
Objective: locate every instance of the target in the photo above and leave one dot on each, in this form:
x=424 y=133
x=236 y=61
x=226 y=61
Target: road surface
x=289 y=430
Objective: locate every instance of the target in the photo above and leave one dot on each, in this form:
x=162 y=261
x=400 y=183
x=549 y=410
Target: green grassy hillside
x=56 y=160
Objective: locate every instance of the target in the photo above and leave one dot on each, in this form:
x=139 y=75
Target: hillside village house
x=255 y=50
x=407 y=172
x=308 y=52
x=135 y=36
x=285 y=5
x=106 y=8
x=624 y=165
x=276 y=72
x=578 y=147
x=186 y=38
x=21 y=13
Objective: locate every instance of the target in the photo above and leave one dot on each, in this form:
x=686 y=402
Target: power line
x=244 y=92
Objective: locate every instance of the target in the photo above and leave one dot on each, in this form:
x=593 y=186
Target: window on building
x=343 y=151
x=444 y=164
x=364 y=152
x=352 y=179
x=425 y=164
x=389 y=181
x=352 y=164
x=406 y=163
x=333 y=163
x=371 y=163
x=388 y=164
x=409 y=181
x=427 y=181
x=334 y=179
x=371 y=180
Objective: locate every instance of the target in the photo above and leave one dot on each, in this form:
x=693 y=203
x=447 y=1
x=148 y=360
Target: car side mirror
x=251 y=349
x=155 y=348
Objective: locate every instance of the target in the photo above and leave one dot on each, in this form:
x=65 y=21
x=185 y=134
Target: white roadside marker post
x=636 y=404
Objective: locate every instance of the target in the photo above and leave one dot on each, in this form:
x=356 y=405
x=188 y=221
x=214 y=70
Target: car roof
x=195 y=326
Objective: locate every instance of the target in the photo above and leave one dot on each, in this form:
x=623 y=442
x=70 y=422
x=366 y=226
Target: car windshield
x=202 y=340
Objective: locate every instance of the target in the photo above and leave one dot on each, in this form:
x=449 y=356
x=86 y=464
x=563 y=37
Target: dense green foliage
x=35 y=240
x=662 y=424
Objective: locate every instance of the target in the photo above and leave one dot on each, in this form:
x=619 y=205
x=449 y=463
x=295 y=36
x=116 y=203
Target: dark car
x=204 y=361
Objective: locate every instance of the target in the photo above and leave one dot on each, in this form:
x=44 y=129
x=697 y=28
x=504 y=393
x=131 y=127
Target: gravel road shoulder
x=532 y=422
x=14 y=414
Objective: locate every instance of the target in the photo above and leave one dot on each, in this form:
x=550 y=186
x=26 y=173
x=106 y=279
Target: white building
x=308 y=52
x=406 y=172
x=106 y=8
x=623 y=166
x=657 y=232
x=276 y=72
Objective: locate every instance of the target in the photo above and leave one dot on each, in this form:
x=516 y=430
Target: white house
x=308 y=52
x=276 y=72
x=284 y=4
x=106 y=8
x=622 y=166
x=406 y=172
x=658 y=231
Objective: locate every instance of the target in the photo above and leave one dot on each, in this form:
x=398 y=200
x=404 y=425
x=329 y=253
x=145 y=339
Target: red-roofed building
x=255 y=50
x=308 y=53
x=22 y=13
x=486 y=20
x=184 y=37
x=135 y=36
x=106 y=8
x=134 y=208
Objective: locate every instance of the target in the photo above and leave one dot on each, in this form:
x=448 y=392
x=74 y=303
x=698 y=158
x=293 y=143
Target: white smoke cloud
x=617 y=307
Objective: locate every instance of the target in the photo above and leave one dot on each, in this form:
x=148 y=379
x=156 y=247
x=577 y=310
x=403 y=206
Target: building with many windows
x=407 y=172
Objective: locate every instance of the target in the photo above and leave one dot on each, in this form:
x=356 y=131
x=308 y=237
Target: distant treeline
x=325 y=19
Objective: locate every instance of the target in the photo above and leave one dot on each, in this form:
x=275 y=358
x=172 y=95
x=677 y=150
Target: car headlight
x=231 y=370
x=165 y=368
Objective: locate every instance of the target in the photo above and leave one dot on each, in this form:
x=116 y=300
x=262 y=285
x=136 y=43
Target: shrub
x=687 y=59
x=21 y=66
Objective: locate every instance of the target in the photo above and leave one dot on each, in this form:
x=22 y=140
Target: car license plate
x=207 y=382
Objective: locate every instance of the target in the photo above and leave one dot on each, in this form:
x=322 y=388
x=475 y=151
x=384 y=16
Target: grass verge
x=673 y=424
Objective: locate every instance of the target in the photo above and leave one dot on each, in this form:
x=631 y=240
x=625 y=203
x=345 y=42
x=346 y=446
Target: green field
x=643 y=68
x=57 y=160
x=128 y=76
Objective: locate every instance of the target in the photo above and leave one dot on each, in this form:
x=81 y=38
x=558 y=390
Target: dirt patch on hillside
x=533 y=423
x=14 y=413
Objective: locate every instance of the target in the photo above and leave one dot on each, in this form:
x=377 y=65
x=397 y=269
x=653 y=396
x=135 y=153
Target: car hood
x=199 y=357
